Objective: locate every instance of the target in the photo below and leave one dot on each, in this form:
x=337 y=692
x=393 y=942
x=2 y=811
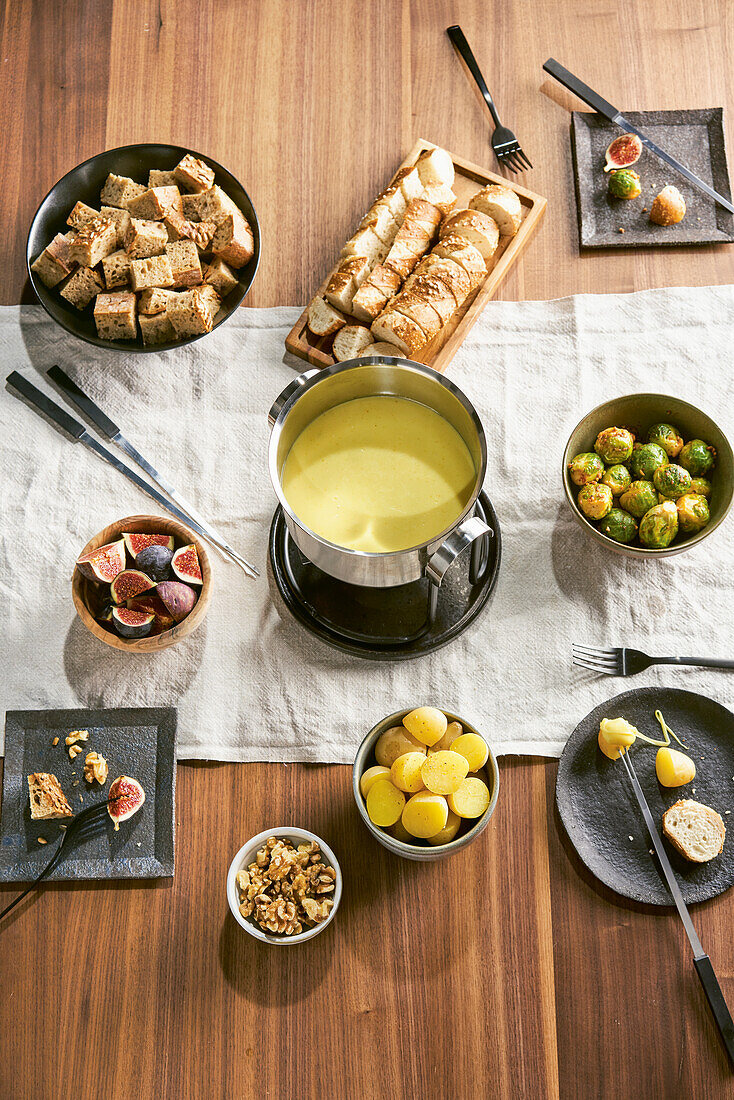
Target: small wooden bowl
x=81 y=586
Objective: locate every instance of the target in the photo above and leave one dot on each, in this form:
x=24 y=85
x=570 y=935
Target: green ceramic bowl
x=638 y=412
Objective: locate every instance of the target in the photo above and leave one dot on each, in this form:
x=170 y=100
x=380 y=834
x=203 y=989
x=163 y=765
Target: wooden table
x=506 y=971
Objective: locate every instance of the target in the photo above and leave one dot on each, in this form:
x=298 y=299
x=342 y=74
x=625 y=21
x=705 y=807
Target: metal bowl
x=421 y=851
x=638 y=412
x=84 y=184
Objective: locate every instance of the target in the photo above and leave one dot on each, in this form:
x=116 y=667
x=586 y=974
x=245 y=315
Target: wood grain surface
x=504 y=972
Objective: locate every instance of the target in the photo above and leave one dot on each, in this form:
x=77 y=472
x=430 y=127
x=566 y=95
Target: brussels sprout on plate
x=595 y=500
x=614 y=445
x=697 y=457
x=659 y=526
x=701 y=486
x=585 y=468
x=617 y=478
x=693 y=513
x=645 y=459
x=667 y=437
x=618 y=525
x=672 y=481
x=639 y=498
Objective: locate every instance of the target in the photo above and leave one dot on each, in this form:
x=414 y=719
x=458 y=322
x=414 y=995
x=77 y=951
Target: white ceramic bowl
x=246 y=855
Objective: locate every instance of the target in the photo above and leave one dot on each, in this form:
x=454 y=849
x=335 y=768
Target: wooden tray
x=470 y=178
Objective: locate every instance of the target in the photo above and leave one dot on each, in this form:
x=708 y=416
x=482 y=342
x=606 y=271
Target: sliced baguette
x=379 y=218
x=395 y=328
x=409 y=181
x=382 y=348
x=438 y=194
x=405 y=254
x=395 y=201
x=366 y=243
x=420 y=310
x=424 y=214
x=345 y=282
x=477 y=228
x=450 y=273
x=465 y=254
x=350 y=342
x=502 y=204
x=694 y=830
x=435 y=166
x=435 y=291
x=323 y=319
x=375 y=293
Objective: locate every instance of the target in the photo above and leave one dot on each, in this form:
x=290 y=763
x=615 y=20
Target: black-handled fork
x=505 y=144
x=628 y=662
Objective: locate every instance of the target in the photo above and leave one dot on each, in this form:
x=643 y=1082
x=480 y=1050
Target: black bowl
x=84 y=184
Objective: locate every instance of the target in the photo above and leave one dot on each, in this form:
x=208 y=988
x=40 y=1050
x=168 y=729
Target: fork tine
x=506 y=160
x=525 y=159
x=605 y=670
x=591 y=651
x=516 y=162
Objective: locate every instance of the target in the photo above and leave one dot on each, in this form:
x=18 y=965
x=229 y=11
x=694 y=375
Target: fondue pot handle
x=465 y=534
x=288 y=392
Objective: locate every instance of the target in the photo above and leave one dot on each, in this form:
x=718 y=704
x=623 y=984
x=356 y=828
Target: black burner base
x=386 y=624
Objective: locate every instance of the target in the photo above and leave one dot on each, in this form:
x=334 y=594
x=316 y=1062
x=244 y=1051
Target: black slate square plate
x=600 y=812
x=695 y=138
x=138 y=741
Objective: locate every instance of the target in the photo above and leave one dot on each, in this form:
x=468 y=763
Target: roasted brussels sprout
x=701 y=486
x=667 y=437
x=697 y=457
x=672 y=481
x=624 y=184
x=614 y=445
x=595 y=500
x=617 y=478
x=659 y=526
x=618 y=525
x=693 y=513
x=639 y=498
x=585 y=468
x=645 y=459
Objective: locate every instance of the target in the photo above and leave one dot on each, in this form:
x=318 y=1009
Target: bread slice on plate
x=351 y=341
x=435 y=166
x=323 y=319
x=477 y=228
x=438 y=194
x=435 y=291
x=420 y=310
x=48 y=801
x=397 y=329
x=694 y=830
x=462 y=252
x=502 y=204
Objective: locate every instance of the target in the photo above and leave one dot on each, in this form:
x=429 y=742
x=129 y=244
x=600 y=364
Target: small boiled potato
x=399 y=831
x=370 y=777
x=674 y=768
x=471 y=799
x=449 y=830
x=425 y=814
x=393 y=743
x=406 y=772
x=444 y=772
x=427 y=724
x=453 y=730
x=385 y=803
x=474 y=748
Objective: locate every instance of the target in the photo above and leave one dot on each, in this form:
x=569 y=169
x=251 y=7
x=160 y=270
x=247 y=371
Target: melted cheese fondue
x=378 y=474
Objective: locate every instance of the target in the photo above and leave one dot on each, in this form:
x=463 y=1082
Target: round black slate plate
x=598 y=806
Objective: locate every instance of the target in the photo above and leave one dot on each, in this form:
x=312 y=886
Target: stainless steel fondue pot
x=317 y=390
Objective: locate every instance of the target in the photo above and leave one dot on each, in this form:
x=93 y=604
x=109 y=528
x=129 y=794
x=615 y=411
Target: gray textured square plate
x=695 y=138
x=137 y=741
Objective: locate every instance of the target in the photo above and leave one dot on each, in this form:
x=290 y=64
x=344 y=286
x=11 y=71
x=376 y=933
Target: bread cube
x=151 y=271
x=55 y=262
x=193 y=174
x=192 y=312
x=214 y=203
x=184 y=259
x=93 y=242
x=157 y=178
x=114 y=316
x=145 y=238
x=84 y=285
x=191 y=205
x=177 y=227
x=155 y=203
x=220 y=275
x=121 y=218
x=153 y=301
x=209 y=294
x=118 y=190
x=116 y=269
x=233 y=240
x=81 y=215
x=156 y=328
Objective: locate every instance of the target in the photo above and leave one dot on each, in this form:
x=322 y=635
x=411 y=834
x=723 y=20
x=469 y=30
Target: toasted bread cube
x=153 y=300
x=209 y=294
x=114 y=316
x=221 y=276
x=233 y=240
x=118 y=190
x=84 y=285
x=194 y=174
x=185 y=266
x=121 y=218
x=48 y=801
x=93 y=242
x=157 y=178
x=116 y=269
x=151 y=271
x=81 y=214
x=191 y=205
x=177 y=227
x=214 y=203
x=156 y=328
x=55 y=262
x=145 y=238
x=192 y=312
x=155 y=203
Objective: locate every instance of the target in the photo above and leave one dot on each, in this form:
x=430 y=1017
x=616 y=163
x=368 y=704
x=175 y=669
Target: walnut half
x=95 y=767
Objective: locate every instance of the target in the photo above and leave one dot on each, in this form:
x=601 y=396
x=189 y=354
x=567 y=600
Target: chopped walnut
x=55 y=742
x=77 y=735
x=283 y=889
x=318 y=911
x=95 y=767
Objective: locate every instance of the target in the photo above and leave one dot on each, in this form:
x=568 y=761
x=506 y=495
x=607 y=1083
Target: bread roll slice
x=380 y=220
x=424 y=214
x=435 y=166
x=450 y=273
x=345 y=282
x=397 y=329
x=323 y=319
x=477 y=228
x=405 y=253
x=394 y=199
x=438 y=194
x=420 y=310
x=382 y=348
x=502 y=204
x=375 y=293
x=366 y=243
x=694 y=830
x=350 y=342
x=410 y=183
x=465 y=254
x=434 y=291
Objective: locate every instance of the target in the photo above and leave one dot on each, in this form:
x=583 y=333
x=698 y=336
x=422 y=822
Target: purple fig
x=155 y=560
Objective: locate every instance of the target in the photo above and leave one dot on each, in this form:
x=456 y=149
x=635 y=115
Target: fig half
x=128 y=584
x=126 y=796
x=132 y=624
x=178 y=598
x=136 y=542
x=104 y=563
x=185 y=564
x=623 y=152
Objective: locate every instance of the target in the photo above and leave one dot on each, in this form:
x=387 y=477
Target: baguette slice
x=435 y=166
x=397 y=329
x=450 y=273
x=350 y=342
x=409 y=181
x=477 y=228
x=438 y=194
x=375 y=293
x=420 y=310
x=423 y=214
x=382 y=348
x=502 y=204
x=694 y=830
x=435 y=291
x=465 y=254
x=379 y=218
x=395 y=201
x=366 y=243
x=323 y=319
x=345 y=281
